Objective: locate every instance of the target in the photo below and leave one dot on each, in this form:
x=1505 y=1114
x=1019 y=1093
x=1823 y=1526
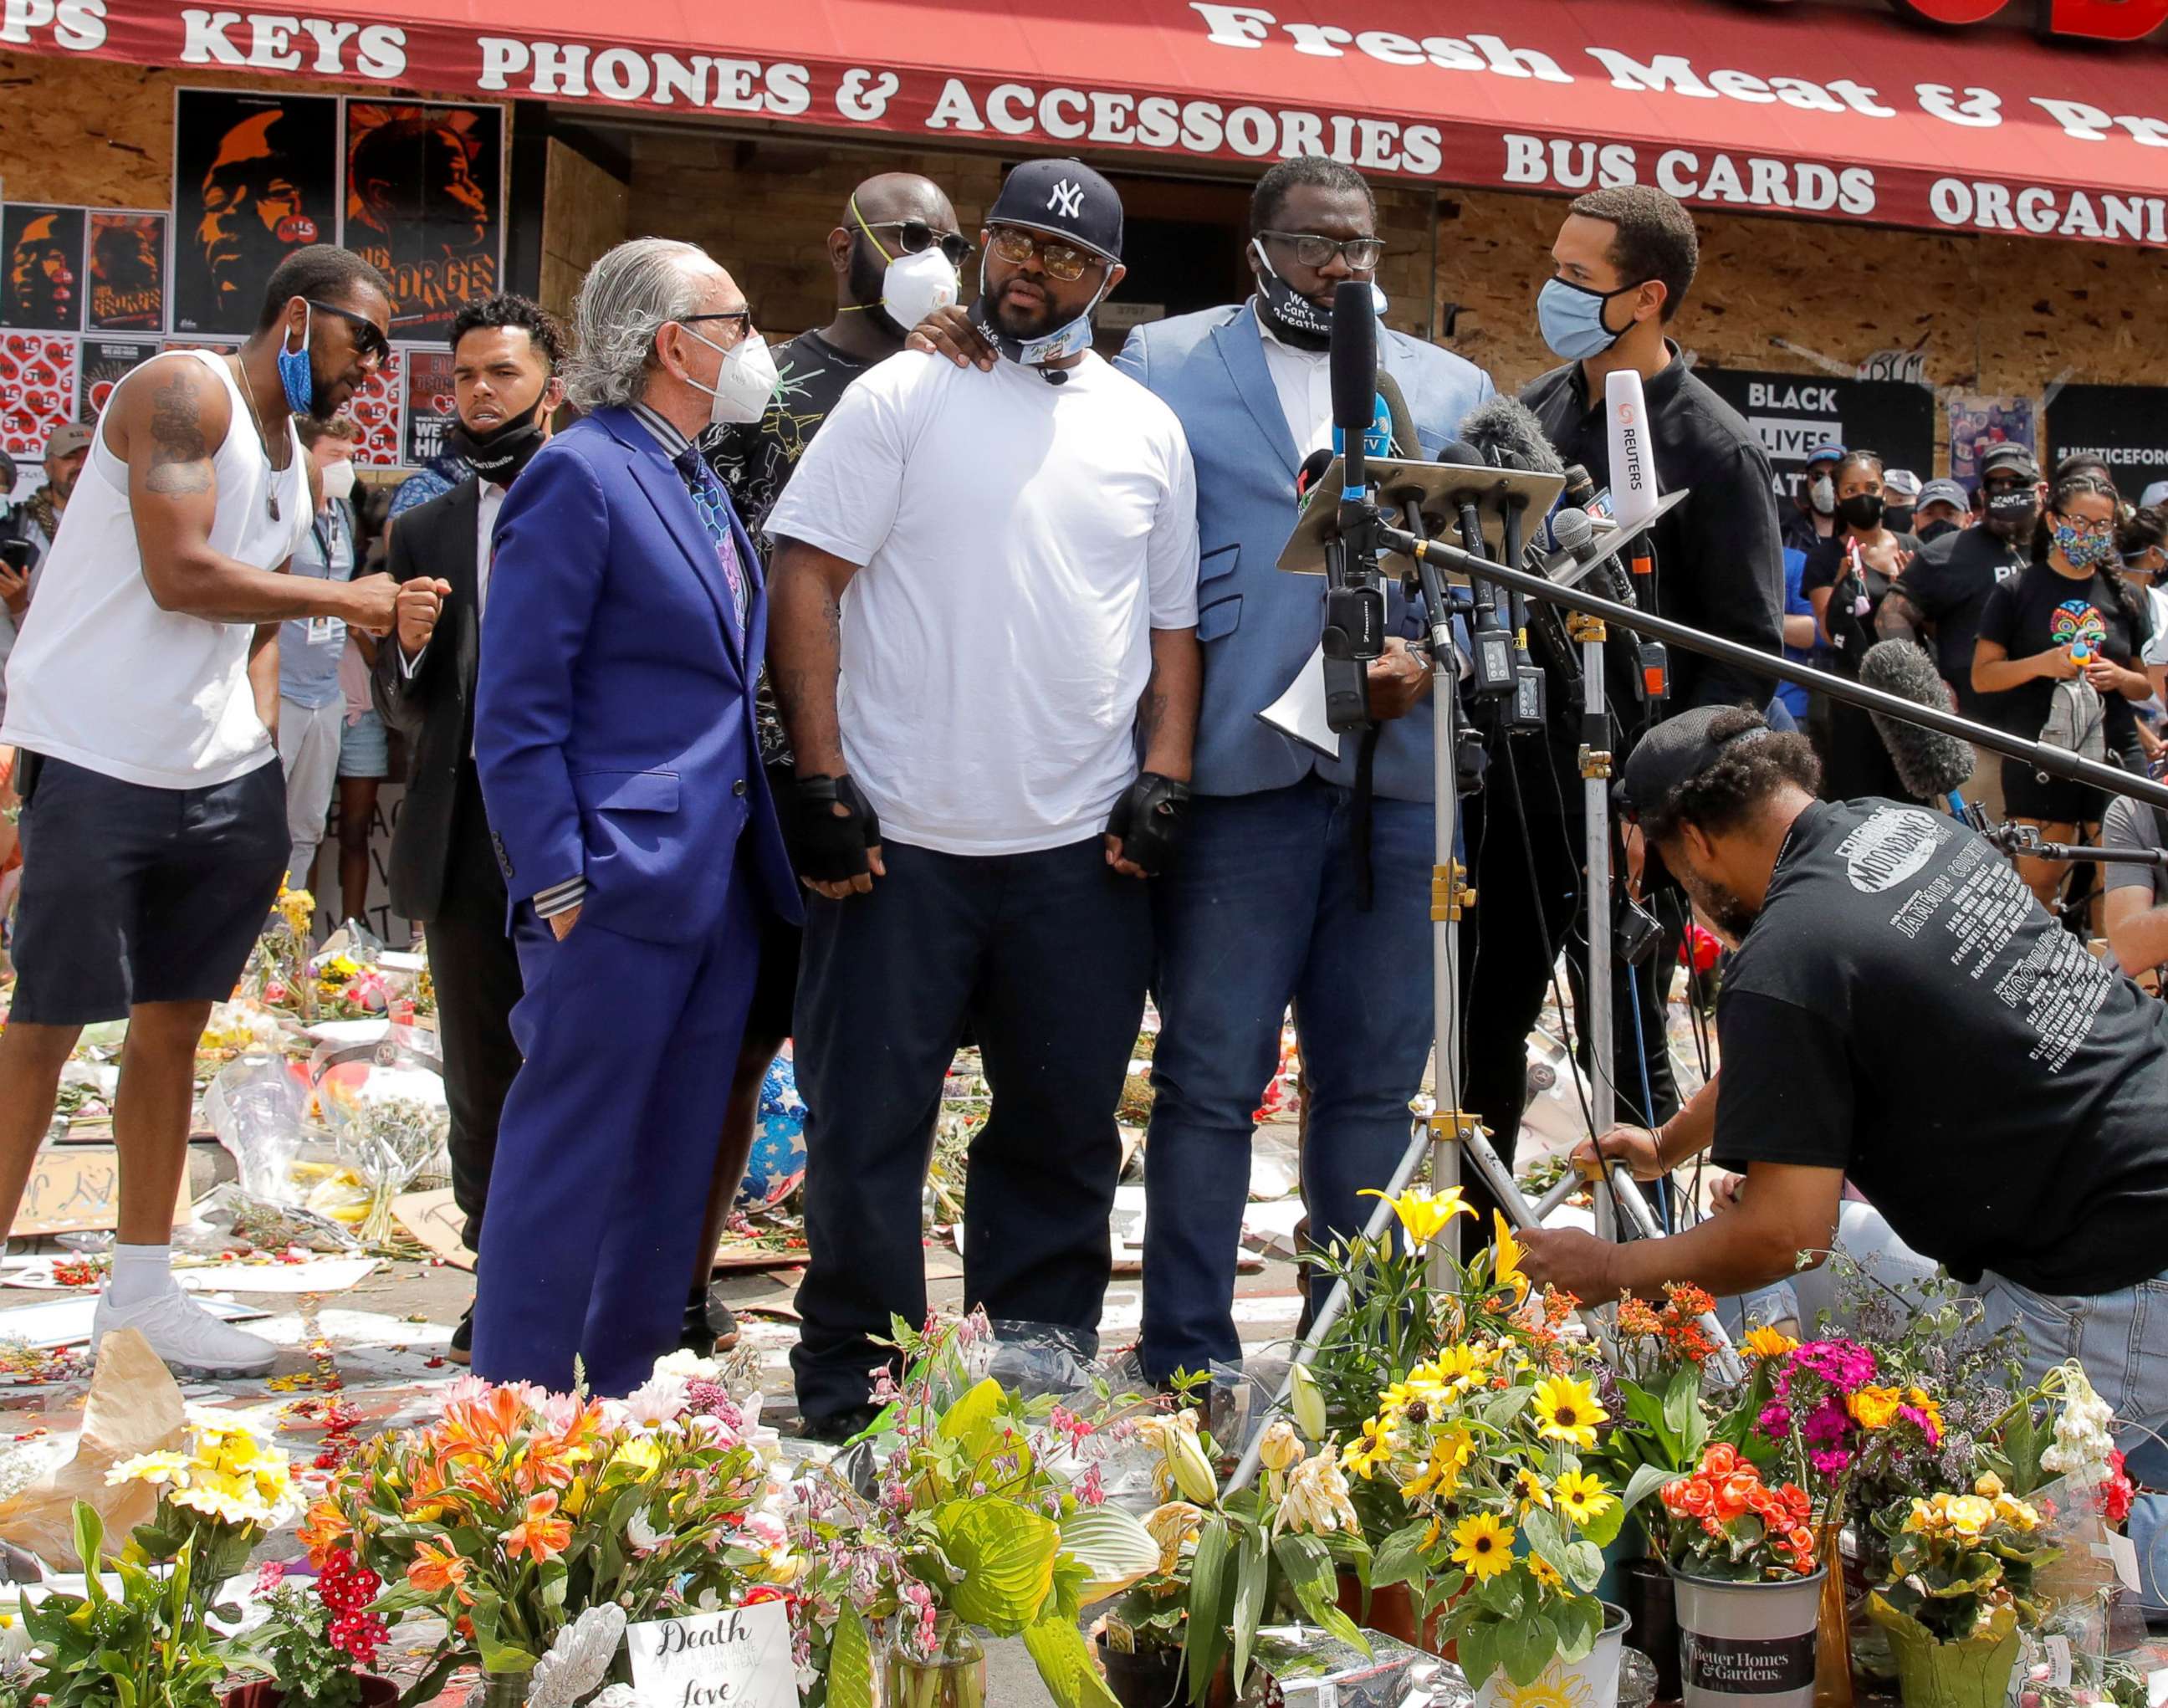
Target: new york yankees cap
x=1063 y=197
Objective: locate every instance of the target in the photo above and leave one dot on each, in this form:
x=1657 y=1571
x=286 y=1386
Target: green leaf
x=1603 y=1529
x=1402 y=1558
x=1645 y=1481
x=970 y=1423
x=1478 y=1648
x=89 y=1538
x=1683 y=1413
x=1114 y=1547
x=1306 y=1564
x=1648 y=1410
x=1503 y=1408
x=1207 y=1636
x=1249 y=1601
x=1526 y=1647
x=1065 y=1665
x=850 y=1662
x=1583 y=1565
x=1006 y=1553
x=1578 y=1621
x=1542 y=1532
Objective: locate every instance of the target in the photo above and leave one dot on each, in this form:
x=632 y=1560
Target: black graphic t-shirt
x=754 y=463
x=2038 y=609
x=1904 y=1010
x=1948 y=583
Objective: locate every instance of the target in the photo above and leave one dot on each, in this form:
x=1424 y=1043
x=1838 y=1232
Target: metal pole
x=1596 y=806
x=1447 y=892
x=2055 y=761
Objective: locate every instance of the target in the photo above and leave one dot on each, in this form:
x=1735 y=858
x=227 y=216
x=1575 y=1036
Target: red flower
x=1721 y=1460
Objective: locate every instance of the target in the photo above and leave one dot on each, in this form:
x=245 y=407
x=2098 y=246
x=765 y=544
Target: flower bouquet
x=987 y=1511
x=518 y=1509
x=388 y=1129
x=153 y=1641
x=316 y=1640
x=1962 y=1569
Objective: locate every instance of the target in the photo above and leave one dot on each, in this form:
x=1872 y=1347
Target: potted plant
x=1962 y=1567
x=153 y=1641
x=517 y=1510
x=315 y=1641
x=1741 y=1554
x=984 y=1512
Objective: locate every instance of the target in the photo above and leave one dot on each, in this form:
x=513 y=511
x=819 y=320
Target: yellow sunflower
x=1770 y=1343
x=1545 y=1573
x=1566 y=1410
x=1582 y=1497
x=1484 y=1545
x=1364 y=1454
x=1449 y=1455
x=1532 y=1491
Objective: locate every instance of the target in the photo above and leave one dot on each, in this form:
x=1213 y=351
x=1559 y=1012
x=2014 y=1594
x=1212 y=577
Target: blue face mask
x=296 y=374
x=1571 y=317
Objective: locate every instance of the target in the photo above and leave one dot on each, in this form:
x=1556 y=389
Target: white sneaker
x=190 y=1340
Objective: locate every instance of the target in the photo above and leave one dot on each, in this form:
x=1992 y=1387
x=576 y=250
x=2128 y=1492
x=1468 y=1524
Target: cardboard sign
x=76 y=1189
x=739 y=1658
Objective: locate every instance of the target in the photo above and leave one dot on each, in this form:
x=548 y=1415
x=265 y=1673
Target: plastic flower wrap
x=518 y=1509
x=389 y=1123
x=1963 y=1565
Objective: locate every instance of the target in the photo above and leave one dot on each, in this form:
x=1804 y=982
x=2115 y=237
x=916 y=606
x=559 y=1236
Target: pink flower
x=269 y=1576
x=1844 y=1364
x=1826 y=1425
x=1829 y=1461
x=1775 y=1418
x=1926 y=1424
x=1090 y=1491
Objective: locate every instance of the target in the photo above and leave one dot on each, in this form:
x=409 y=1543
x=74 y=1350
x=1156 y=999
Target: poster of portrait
x=376 y=409
x=425 y=203
x=1978 y=424
x=37 y=390
x=44 y=284
x=255 y=178
x=101 y=366
x=127 y=272
x=432 y=410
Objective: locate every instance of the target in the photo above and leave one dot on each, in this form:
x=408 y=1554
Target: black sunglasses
x=913 y=237
x=743 y=316
x=370 y=343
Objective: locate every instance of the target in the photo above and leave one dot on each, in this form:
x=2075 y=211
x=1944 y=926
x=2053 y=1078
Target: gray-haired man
x=613 y=730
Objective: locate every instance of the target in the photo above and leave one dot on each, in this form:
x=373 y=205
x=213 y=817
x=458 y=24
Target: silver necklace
x=263 y=439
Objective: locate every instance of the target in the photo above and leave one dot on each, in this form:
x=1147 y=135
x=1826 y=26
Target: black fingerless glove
x=1148 y=819
x=831 y=846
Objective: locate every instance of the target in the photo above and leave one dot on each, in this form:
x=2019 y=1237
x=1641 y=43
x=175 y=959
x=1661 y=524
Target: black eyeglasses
x=370 y=343
x=1362 y=254
x=742 y=316
x=915 y=236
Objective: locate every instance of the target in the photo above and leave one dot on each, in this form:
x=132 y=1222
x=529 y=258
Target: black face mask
x=1293 y=317
x=2013 y=514
x=499 y=455
x=1862 y=510
x=1935 y=531
x=1899 y=518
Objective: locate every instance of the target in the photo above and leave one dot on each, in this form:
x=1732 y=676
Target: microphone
x=1929 y=765
x=1508 y=435
x=1405 y=444
x=1632 y=459
x=1352 y=359
x=1311 y=472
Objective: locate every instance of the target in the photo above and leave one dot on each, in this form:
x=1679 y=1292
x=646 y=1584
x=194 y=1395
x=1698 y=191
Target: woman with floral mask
x=2058 y=653
x=1847 y=576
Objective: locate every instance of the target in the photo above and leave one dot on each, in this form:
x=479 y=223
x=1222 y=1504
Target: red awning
x=1812 y=109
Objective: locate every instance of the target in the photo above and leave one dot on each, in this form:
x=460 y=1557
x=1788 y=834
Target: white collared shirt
x=1304 y=381
x=488 y=504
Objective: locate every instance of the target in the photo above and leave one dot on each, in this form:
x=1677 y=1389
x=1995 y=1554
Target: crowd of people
x=904 y=682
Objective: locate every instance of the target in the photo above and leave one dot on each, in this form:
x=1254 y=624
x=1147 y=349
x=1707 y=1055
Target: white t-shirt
x=1304 y=381
x=103 y=678
x=1018 y=542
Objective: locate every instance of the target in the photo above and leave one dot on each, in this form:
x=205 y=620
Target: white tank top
x=100 y=677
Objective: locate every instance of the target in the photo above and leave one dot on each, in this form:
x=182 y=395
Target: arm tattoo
x=1894 y=619
x=180 y=461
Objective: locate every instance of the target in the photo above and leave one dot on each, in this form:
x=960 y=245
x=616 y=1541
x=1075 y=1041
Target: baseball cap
x=1066 y=198
x=2157 y=494
x=1831 y=453
x=1901 y=483
x=2012 y=456
x=67 y=439
x=1943 y=491
x=1675 y=752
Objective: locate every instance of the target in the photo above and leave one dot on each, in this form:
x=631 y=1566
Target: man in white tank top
x=143 y=692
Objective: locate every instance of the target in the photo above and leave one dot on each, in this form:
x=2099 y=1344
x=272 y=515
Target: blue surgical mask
x=295 y=373
x=1571 y=317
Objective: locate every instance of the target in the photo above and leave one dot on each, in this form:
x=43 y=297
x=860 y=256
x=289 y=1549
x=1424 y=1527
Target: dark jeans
x=1046 y=955
x=1523 y=893
x=1263 y=912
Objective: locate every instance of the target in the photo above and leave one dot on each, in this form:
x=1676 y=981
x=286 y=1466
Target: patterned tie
x=709 y=500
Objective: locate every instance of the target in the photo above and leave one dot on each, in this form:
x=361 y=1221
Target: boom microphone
x=1929 y=765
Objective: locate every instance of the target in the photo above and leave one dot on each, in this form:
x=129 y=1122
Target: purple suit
x=614 y=735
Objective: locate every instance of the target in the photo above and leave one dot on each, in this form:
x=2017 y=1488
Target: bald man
x=896 y=248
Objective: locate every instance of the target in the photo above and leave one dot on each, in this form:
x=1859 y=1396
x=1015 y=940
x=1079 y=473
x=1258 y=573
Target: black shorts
x=2026 y=794
x=139 y=895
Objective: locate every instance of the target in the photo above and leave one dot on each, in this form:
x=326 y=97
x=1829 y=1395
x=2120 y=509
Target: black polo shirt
x=1719 y=557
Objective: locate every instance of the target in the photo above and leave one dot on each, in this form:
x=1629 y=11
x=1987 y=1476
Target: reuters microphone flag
x=1632 y=458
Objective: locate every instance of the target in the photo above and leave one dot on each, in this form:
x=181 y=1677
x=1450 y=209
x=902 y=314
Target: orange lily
x=435 y=1569
x=325 y=1527
x=539 y=1534
x=481 y=1427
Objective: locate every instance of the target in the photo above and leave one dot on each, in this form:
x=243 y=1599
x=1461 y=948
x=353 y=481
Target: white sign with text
x=738 y=1658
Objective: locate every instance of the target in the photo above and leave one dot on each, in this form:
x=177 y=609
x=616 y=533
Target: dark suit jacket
x=434 y=709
